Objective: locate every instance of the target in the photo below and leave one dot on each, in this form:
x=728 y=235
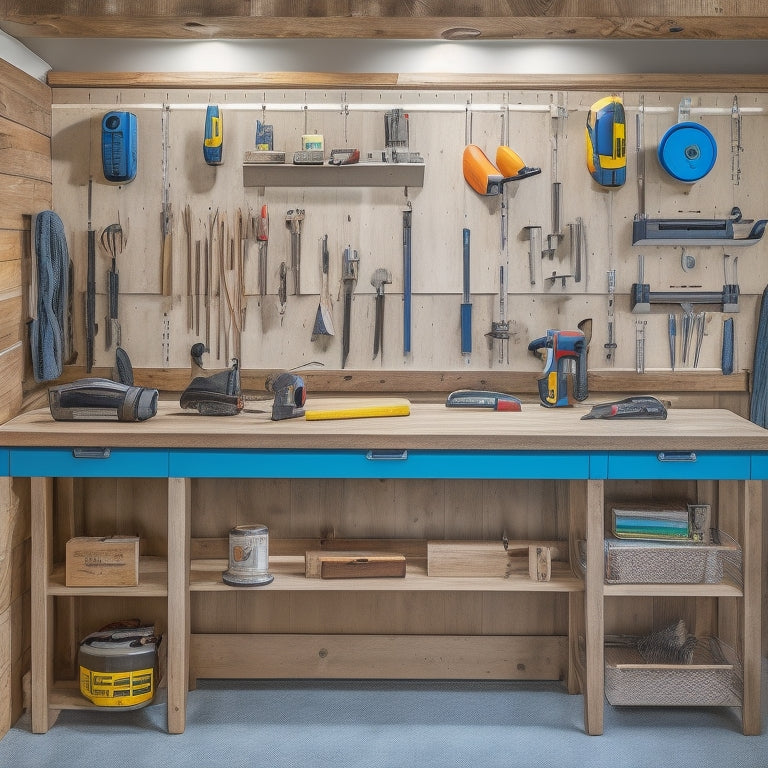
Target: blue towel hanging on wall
x=47 y=329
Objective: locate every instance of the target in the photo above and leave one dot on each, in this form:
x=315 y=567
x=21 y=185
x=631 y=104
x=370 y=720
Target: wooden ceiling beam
x=707 y=83
x=574 y=20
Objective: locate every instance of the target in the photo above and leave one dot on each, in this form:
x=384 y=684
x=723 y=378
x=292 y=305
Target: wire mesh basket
x=713 y=679
x=635 y=561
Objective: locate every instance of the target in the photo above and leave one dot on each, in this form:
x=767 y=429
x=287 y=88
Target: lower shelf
x=369 y=657
x=713 y=679
x=65 y=694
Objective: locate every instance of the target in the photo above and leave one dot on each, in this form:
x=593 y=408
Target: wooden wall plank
x=24 y=99
x=24 y=151
x=11 y=371
x=25 y=189
x=11 y=324
x=13 y=245
x=21 y=197
x=10 y=276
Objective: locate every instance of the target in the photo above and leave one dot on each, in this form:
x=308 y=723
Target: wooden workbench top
x=429 y=426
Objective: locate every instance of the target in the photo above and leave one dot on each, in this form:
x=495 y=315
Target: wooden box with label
x=96 y=561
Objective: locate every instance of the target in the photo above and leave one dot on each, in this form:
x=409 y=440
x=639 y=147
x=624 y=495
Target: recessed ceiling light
x=460 y=33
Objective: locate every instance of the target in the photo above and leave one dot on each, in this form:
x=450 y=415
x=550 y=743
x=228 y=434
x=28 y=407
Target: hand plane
x=290 y=395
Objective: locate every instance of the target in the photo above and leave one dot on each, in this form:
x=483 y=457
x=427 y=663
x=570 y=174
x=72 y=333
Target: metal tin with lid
x=248 y=556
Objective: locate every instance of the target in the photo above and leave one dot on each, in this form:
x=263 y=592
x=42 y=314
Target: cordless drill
x=565 y=350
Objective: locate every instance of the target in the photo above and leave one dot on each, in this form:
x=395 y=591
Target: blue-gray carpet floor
x=392 y=724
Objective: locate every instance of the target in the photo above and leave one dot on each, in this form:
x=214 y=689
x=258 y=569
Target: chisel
x=262 y=237
x=349 y=277
x=466 y=305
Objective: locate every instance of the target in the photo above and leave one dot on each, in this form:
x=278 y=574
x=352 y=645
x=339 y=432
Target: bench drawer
x=679 y=465
x=89 y=462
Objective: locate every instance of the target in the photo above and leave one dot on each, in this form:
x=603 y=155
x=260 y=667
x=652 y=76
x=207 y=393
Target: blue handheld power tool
x=119 y=146
x=565 y=351
x=213 y=143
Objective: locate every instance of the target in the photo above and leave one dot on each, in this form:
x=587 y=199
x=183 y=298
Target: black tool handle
x=580 y=384
x=90 y=301
x=346 y=329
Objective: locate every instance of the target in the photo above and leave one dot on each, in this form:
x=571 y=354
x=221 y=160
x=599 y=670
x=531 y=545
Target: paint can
x=248 y=556
x=687 y=152
x=118 y=667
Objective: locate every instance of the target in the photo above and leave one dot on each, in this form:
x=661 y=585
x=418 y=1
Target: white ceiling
x=502 y=57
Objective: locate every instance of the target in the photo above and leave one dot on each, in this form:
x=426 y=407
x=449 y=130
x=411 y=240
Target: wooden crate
x=95 y=561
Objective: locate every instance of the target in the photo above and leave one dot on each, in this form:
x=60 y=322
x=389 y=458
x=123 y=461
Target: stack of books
x=651 y=521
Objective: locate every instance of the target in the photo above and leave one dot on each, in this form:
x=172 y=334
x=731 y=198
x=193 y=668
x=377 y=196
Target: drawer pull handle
x=91 y=453
x=677 y=456
x=386 y=455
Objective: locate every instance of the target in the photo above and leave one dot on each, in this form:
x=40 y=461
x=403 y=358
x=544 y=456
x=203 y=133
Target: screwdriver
x=262 y=237
x=672 y=322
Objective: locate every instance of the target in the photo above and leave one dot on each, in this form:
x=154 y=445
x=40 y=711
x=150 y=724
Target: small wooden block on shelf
x=354 y=565
x=486 y=559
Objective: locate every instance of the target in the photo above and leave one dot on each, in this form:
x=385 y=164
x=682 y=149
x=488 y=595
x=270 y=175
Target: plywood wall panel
x=370 y=220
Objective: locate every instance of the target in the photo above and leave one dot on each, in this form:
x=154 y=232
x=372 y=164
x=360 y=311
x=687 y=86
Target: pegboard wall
x=547 y=130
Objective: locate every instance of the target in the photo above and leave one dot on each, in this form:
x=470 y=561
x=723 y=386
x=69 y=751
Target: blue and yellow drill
x=566 y=358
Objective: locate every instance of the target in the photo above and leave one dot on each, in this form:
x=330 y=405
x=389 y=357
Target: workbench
x=710 y=456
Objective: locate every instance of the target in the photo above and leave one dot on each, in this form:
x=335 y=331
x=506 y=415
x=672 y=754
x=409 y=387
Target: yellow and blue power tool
x=606 y=137
x=563 y=351
x=213 y=143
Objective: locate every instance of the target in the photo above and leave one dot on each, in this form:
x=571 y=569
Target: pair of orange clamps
x=488 y=179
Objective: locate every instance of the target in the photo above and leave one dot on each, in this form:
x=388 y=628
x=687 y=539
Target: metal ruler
x=736 y=147
x=610 y=345
x=640 y=345
x=166 y=340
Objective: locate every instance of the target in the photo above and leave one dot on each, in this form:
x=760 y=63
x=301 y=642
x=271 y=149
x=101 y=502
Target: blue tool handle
x=466 y=329
x=727 y=354
x=406 y=282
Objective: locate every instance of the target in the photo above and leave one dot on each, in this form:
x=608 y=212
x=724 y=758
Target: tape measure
x=687 y=152
x=118 y=668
